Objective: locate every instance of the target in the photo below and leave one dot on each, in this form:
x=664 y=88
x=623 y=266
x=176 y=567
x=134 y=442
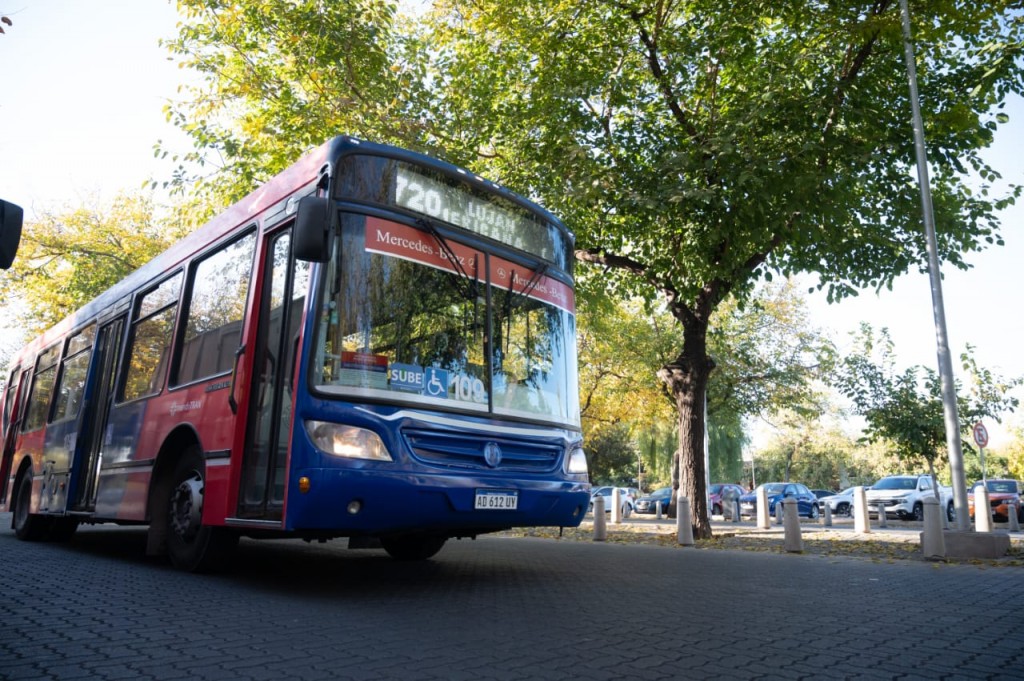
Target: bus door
x=282 y=300
x=13 y=409
x=89 y=456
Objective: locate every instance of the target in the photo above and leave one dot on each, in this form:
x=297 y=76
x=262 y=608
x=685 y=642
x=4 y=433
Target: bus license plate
x=494 y=500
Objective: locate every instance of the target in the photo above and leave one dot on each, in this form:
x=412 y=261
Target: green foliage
x=66 y=259
x=278 y=77
x=726 y=440
x=906 y=408
x=612 y=456
x=767 y=354
x=695 y=148
x=698 y=147
x=821 y=458
x=619 y=346
x=1013 y=454
x=657 y=443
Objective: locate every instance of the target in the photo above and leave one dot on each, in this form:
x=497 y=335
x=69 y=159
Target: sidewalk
x=900 y=540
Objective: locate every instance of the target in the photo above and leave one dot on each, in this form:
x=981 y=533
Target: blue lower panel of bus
x=357 y=502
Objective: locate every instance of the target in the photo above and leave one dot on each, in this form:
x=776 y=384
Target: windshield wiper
x=470 y=290
x=518 y=296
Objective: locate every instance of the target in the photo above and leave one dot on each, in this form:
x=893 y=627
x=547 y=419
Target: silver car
x=627 y=499
x=839 y=504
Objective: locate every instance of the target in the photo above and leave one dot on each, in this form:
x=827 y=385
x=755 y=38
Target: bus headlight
x=347 y=441
x=576 y=462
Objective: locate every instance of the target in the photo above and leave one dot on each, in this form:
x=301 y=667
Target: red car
x=715 y=495
x=1000 y=494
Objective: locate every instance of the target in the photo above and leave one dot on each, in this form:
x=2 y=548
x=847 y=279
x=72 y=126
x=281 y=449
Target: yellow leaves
x=882 y=548
x=68 y=258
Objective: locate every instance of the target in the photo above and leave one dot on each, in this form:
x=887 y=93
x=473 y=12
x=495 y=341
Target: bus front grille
x=468 y=451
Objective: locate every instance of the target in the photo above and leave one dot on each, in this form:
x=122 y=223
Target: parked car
x=627 y=500
x=1000 y=494
x=807 y=503
x=903 y=496
x=723 y=489
x=822 y=493
x=839 y=504
x=649 y=503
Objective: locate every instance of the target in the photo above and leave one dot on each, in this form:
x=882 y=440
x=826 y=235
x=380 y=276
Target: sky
x=82 y=96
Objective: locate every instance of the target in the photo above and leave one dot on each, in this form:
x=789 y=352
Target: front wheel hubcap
x=187 y=507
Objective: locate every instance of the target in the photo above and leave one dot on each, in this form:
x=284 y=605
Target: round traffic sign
x=980 y=434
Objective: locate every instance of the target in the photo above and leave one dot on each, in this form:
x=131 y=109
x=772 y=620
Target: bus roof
x=305 y=172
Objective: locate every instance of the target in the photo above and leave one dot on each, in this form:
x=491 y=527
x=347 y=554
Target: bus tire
x=28 y=526
x=413 y=546
x=192 y=546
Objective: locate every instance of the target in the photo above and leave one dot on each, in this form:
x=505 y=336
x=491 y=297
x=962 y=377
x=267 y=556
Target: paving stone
x=497 y=609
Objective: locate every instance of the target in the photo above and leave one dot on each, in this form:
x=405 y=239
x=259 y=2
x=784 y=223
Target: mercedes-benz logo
x=492 y=454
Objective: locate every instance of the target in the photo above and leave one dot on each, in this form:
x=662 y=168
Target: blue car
x=649 y=503
x=807 y=503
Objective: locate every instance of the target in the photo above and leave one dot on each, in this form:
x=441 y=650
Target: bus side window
x=71 y=383
x=12 y=390
x=42 y=389
x=213 y=315
x=151 y=340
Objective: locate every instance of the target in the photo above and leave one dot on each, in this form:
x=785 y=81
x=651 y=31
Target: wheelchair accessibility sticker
x=436 y=382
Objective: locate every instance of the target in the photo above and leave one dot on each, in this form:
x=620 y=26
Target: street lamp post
x=953 y=444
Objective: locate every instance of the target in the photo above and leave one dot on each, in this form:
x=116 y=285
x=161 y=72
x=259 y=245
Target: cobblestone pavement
x=501 y=608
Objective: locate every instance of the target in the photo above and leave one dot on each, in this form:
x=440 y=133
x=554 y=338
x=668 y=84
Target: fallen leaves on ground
x=878 y=547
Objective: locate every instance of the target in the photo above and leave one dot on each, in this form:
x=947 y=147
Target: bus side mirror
x=11 y=217
x=312 y=232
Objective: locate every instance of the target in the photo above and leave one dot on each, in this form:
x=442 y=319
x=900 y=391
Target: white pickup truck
x=903 y=496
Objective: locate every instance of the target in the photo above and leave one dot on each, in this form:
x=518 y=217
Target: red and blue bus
x=375 y=345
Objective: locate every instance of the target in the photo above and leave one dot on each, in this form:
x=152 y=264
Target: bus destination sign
x=458 y=206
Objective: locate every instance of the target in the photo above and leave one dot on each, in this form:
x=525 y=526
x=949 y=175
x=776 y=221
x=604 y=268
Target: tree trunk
x=687 y=381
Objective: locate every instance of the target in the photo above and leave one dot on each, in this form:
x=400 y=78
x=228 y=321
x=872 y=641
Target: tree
x=820 y=456
x=1014 y=454
x=767 y=352
x=905 y=408
x=279 y=77
x=695 y=148
x=699 y=147
x=66 y=259
x=612 y=456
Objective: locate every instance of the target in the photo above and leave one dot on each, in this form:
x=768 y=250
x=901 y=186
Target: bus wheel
x=413 y=546
x=28 y=526
x=192 y=546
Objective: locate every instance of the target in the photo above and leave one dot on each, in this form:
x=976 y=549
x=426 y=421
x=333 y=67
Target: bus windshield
x=408 y=315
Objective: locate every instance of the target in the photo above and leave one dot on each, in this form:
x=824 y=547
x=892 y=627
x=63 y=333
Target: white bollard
x=735 y=510
x=933 y=541
x=982 y=510
x=881 y=514
x=684 y=527
x=763 y=517
x=1012 y=516
x=794 y=541
x=860 y=511
x=600 y=526
x=779 y=512
x=657 y=509
x=826 y=516
x=616 y=506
